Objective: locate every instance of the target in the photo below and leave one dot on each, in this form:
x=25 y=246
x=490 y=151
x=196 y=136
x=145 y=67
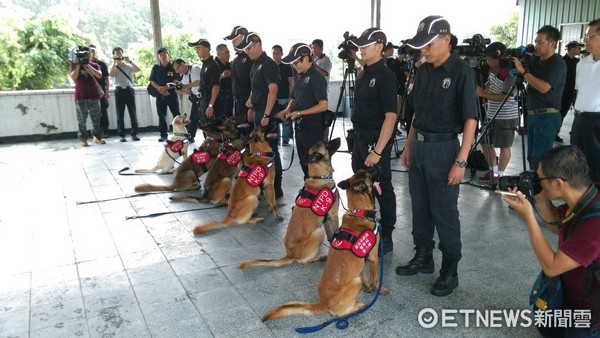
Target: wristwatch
x=210 y=105
x=461 y=163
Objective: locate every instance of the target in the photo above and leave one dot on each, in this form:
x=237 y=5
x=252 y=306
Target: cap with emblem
x=237 y=30
x=201 y=42
x=249 y=40
x=369 y=37
x=296 y=52
x=429 y=28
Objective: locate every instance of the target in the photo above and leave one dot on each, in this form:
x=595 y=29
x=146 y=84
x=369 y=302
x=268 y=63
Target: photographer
x=308 y=101
x=374 y=120
x=122 y=71
x=502 y=129
x=189 y=85
x=563 y=174
x=545 y=83
x=210 y=76
x=161 y=74
x=85 y=74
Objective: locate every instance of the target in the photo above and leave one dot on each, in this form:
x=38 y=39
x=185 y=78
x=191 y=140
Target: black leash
x=172 y=212
x=122 y=197
x=292 y=160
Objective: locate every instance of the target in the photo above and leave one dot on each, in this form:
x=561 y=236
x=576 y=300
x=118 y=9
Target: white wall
x=44 y=112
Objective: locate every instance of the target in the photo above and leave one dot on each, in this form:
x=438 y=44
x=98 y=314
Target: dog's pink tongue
x=377 y=187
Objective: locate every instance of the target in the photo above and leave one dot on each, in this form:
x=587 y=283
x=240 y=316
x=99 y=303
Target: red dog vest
x=200 y=156
x=174 y=146
x=254 y=175
x=232 y=156
x=360 y=245
x=320 y=202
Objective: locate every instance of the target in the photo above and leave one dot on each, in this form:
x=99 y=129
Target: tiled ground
x=69 y=270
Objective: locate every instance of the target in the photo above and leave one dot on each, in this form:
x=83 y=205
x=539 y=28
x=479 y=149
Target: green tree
x=507 y=33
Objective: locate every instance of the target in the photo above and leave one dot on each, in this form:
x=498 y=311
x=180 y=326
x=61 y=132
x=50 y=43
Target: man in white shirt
x=122 y=72
x=190 y=81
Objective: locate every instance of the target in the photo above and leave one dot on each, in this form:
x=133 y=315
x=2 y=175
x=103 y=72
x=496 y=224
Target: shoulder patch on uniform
x=446 y=83
x=259 y=67
x=307 y=79
x=372 y=82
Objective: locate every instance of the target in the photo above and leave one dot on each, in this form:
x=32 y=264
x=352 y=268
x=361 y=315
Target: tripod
x=347 y=82
x=519 y=97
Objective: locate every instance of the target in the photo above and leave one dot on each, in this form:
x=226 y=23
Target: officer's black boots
x=388 y=243
x=421 y=263
x=448 y=279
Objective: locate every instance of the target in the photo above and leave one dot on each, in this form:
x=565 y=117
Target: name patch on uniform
x=169 y=73
x=446 y=83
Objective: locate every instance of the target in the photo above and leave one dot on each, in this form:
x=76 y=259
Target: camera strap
x=581 y=204
x=127 y=76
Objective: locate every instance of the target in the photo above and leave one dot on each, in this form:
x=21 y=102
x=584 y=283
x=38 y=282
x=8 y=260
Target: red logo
x=175 y=146
x=200 y=157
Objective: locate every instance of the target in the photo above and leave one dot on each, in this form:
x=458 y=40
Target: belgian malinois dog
x=344 y=272
x=317 y=204
x=257 y=171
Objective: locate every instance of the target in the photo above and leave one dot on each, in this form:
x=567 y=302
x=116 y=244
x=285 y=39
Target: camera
x=527 y=182
x=346 y=47
x=178 y=85
x=520 y=53
x=77 y=55
x=118 y=58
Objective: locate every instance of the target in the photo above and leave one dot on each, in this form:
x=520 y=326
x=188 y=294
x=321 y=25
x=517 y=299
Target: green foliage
x=507 y=33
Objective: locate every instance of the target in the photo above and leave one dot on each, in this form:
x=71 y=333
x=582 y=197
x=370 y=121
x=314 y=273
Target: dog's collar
x=186 y=135
x=370 y=215
x=263 y=154
x=324 y=177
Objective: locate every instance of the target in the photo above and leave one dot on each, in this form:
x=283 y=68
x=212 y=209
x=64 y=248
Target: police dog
x=258 y=170
x=175 y=147
x=185 y=177
x=304 y=232
x=344 y=271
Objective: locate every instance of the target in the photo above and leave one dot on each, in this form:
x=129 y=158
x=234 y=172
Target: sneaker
x=558 y=139
x=123 y=139
x=99 y=140
x=135 y=138
x=486 y=177
x=162 y=139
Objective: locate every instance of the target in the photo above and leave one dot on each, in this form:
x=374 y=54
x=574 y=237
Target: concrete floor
x=83 y=270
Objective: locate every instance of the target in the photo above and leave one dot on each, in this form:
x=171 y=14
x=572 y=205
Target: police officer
x=161 y=74
x=374 y=119
x=264 y=79
x=209 y=82
x=445 y=105
x=225 y=94
x=240 y=72
x=308 y=101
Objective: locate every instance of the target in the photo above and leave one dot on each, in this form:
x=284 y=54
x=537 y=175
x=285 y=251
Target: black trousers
x=225 y=102
x=274 y=143
x=568 y=98
x=585 y=135
x=192 y=127
x=104 y=114
x=162 y=102
x=306 y=137
x=125 y=97
x=387 y=199
x=239 y=104
x=434 y=202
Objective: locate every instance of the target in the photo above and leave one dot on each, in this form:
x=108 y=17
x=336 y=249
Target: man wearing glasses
x=546 y=79
x=225 y=93
x=374 y=120
x=445 y=106
x=586 y=123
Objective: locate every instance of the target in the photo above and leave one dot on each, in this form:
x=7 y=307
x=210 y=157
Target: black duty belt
x=587 y=114
x=541 y=111
x=435 y=137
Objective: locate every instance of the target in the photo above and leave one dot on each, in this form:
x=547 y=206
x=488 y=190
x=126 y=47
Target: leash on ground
x=172 y=212
x=123 y=173
x=343 y=323
x=123 y=197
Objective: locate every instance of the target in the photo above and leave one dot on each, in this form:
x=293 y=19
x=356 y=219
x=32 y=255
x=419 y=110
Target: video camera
x=407 y=50
x=77 y=55
x=346 y=47
x=474 y=46
x=520 y=53
x=527 y=182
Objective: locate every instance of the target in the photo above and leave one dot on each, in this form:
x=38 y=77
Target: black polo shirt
x=209 y=76
x=163 y=75
x=309 y=88
x=571 y=71
x=552 y=70
x=444 y=97
x=285 y=72
x=240 y=76
x=104 y=71
x=264 y=72
x=226 y=81
x=374 y=96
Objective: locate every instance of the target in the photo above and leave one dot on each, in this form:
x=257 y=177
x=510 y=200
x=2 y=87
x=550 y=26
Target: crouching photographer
x=563 y=174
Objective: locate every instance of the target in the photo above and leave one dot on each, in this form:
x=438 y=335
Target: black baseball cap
x=248 y=40
x=201 y=42
x=495 y=49
x=91 y=46
x=237 y=30
x=296 y=52
x=429 y=28
x=161 y=50
x=574 y=44
x=369 y=37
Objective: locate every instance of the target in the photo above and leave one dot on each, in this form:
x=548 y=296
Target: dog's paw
x=384 y=291
x=256 y=220
x=278 y=217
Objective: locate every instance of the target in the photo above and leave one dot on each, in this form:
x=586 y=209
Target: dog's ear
x=344 y=184
x=374 y=171
x=360 y=186
x=333 y=146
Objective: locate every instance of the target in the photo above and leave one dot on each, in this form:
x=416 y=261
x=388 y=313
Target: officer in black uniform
x=308 y=101
x=209 y=82
x=264 y=79
x=161 y=74
x=225 y=94
x=445 y=106
x=374 y=119
x=240 y=72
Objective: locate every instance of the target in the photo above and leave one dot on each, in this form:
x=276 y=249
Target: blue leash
x=342 y=323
